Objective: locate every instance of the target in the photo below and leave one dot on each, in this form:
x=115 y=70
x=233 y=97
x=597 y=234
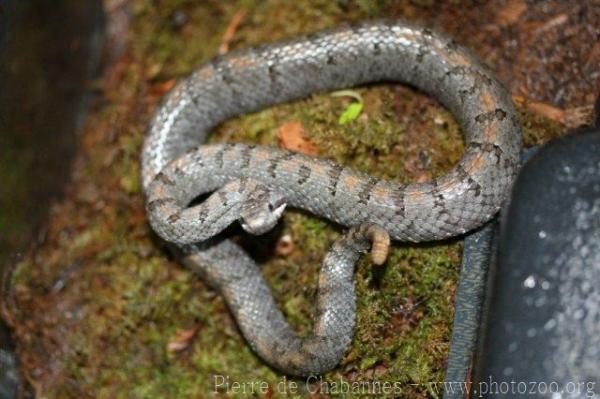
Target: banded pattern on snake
x=254 y=184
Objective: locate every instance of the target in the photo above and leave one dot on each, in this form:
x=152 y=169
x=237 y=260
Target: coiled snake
x=253 y=184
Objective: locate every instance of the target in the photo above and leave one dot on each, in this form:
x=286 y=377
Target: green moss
x=126 y=301
x=537 y=129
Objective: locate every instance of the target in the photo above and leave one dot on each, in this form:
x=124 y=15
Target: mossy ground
x=97 y=304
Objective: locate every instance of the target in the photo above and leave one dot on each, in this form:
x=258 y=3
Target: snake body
x=253 y=184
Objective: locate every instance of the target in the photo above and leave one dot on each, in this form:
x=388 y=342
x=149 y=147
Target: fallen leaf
x=269 y=393
x=292 y=137
x=552 y=23
x=570 y=117
x=182 y=340
x=161 y=88
x=542 y=109
x=511 y=12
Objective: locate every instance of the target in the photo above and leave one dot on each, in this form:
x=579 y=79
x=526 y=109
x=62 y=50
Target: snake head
x=261 y=213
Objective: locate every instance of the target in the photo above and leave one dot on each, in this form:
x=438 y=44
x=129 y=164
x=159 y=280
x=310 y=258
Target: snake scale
x=253 y=184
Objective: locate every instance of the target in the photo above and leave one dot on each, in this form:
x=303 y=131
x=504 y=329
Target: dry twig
x=230 y=31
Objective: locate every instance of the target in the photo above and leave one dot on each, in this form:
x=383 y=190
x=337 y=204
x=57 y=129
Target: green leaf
x=351 y=113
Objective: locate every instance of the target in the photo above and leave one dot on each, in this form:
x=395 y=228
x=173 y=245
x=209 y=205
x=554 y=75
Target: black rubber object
x=479 y=253
x=541 y=331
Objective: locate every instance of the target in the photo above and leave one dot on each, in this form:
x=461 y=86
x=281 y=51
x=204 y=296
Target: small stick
x=230 y=31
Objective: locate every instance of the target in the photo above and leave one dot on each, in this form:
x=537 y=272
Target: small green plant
x=353 y=110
